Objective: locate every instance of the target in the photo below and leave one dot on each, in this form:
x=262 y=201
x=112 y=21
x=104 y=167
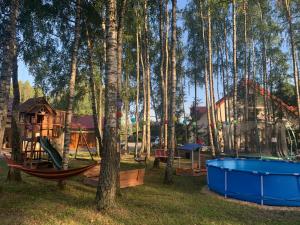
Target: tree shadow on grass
x=42 y=202
x=184 y=184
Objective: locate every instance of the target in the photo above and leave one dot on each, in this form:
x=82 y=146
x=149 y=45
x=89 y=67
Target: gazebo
x=192 y=148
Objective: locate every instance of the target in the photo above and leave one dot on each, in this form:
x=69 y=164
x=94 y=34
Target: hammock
x=48 y=174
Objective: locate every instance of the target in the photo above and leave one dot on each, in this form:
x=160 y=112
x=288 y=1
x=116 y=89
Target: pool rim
x=253 y=171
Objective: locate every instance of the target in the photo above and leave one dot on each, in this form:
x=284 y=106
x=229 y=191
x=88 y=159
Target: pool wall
x=265 y=188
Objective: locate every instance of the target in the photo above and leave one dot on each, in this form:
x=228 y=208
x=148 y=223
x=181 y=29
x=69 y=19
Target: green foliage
x=194 y=50
x=286 y=92
x=27 y=91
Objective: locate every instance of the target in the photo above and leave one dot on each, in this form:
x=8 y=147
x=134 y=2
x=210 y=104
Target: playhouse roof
x=33 y=105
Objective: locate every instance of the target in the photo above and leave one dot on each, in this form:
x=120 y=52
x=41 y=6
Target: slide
x=52 y=152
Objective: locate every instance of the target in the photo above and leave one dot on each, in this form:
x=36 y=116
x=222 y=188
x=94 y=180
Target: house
x=82 y=125
x=258 y=131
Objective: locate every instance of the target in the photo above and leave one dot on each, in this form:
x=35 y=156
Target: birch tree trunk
x=162 y=77
x=227 y=87
x=246 y=73
x=264 y=64
x=144 y=140
x=166 y=76
x=258 y=145
x=93 y=92
x=211 y=83
x=14 y=174
x=147 y=74
x=224 y=82
x=184 y=114
x=7 y=66
x=73 y=72
x=126 y=111
x=120 y=27
x=107 y=186
x=101 y=107
x=235 y=79
x=222 y=72
x=170 y=160
x=207 y=93
x=137 y=90
x=227 y=99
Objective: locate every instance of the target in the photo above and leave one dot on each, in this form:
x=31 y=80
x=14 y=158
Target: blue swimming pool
x=266 y=182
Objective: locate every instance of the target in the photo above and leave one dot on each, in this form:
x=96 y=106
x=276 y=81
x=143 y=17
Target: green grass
x=37 y=201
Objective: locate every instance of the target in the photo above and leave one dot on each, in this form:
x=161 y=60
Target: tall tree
x=120 y=27
x=166 y=79
x=147 y=74
x=137 y=88
x=15 y=174
x=162 y=59
x=264 y=66
x=246 y=78
x=93 y=95
x=211 y=78
x=107 y=186
x=235 y=77
x=7 y=65
x=287 y=7
x=73 y=72
x=207 y=93
x=169 y=167
x=144 y=123
x=227 y=99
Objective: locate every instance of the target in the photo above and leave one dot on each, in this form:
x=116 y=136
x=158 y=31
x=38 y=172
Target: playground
x=149 y=112
x=36 y=201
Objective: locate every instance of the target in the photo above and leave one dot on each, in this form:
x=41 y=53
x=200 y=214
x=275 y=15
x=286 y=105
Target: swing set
x=82 y=141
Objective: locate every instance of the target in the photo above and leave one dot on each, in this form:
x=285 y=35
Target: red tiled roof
x=261 y=91
x=200 y=109
x=85 y=122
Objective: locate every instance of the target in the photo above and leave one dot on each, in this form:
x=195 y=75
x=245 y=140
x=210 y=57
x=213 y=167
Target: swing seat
x=161 y=155
x=141 y=159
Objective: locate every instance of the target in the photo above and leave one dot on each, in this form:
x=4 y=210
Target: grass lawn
x=36 y=201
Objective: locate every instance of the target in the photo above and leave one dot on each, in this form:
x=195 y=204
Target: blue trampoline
x=265 y=182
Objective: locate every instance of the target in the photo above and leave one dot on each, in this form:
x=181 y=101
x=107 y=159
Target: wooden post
x=193 y=161
x=199 y=160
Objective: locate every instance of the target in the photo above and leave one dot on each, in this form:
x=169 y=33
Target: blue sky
x=25 y=75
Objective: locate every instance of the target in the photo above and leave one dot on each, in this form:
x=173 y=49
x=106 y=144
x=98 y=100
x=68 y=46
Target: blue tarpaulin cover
x=190 y=147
